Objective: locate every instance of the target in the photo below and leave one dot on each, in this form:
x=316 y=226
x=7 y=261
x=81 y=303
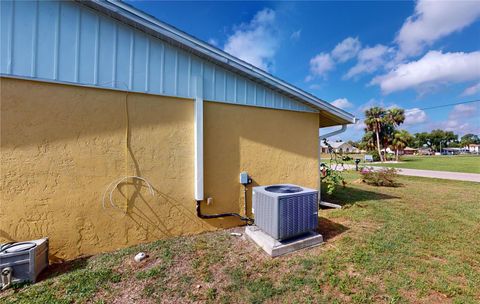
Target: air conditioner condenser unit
x=284 y=211
x=23 y=261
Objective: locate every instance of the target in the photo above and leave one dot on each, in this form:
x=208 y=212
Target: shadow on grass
x=409 y=160
x=349 y=196
x=57 y=269
x=329 y=229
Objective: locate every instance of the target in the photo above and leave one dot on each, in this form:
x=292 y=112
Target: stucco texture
x=62 y=145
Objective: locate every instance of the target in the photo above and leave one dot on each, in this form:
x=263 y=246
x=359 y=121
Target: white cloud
x=459 y=127
x=371 y=103
x=462 y=111
x=433 y=20
x=342 y=103
x=462 y=119
x=359 y=125
x=370 y=59
x=323 y=62
x=255 y=42
x=415 y=116
x=213 y=41
x=431 y=70
x=347 y=49
x=296 y=35
x=320 y=65
x=472 y=90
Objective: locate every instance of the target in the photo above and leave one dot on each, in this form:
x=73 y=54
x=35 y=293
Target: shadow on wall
x=140 y=211
x=6 y=236
x=68 y=142
x=62 y=145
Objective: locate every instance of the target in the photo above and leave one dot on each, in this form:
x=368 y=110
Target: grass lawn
x=419 y=242
x=454 y=163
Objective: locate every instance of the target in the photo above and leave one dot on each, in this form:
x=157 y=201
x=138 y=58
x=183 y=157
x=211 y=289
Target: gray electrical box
x=285 y=211
x=244 y=178
x=25 y=259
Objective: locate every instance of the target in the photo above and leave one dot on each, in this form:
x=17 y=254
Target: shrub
x=346 y=158
x=384 y=177
x=375 y=155
x=331 y=178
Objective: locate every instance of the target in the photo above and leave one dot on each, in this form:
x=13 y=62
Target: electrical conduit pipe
x=198 y=159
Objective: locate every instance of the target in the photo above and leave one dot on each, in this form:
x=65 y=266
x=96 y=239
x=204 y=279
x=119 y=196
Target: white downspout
x=320 y=137
x=198 y=139
x=341 y=130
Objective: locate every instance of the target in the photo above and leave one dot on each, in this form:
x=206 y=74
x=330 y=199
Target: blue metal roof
x=111 y=44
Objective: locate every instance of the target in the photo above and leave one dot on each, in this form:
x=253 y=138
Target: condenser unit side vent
x=285 y=211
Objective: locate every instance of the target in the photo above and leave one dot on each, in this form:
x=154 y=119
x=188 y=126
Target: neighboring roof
x=125 y=13
x=410 y=149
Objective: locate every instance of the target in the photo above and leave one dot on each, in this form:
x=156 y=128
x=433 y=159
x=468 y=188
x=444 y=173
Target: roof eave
x=143 y=21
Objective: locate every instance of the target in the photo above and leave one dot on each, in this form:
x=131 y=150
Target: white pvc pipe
x=198 y=141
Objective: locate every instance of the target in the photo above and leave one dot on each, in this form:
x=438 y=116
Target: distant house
x=473 y=148
x=410 y=151
x=388 y=151
x=340 y=147
x=425 y=151
x=452 y=151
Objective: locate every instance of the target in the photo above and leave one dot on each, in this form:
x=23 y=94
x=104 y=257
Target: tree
x=374 y=119
x=393 y=119
x=386 y=134
x=469 y=139
x=395 y=116
x=368 y=141
x=435 y=140
x=439 y=139
x=400 y=141
x=421 y=139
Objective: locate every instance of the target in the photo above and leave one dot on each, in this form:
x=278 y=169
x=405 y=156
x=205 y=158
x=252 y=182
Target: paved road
x=469 y=177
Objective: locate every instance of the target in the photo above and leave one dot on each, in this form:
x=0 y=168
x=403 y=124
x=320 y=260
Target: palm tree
x=395 y=116
x=400 y=141
x=368 y=141
x=374 y=119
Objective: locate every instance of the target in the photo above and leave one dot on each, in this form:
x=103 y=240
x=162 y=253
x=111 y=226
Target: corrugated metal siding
x=67 y=42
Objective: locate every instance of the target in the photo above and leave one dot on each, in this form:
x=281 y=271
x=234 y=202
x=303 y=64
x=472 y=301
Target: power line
x=445 y=105
x=437 y=107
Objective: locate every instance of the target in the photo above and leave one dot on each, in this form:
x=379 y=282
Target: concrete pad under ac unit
x=276 y=248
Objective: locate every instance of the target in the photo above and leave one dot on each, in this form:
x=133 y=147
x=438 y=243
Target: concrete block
x=276 y=248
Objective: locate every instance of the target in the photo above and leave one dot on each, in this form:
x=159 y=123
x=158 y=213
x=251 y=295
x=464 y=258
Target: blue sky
x=413 y=55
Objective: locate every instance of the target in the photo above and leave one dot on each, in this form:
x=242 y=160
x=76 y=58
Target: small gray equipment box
x=22 y=261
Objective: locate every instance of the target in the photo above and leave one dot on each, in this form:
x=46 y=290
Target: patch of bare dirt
x=434 y=297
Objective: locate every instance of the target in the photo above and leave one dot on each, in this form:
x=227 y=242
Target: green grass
x=419 y=242
x=452 y=163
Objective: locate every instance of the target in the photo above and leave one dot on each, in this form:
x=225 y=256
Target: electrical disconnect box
x=244 y=178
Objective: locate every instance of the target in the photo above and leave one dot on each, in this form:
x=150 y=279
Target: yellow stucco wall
x=62 y=145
